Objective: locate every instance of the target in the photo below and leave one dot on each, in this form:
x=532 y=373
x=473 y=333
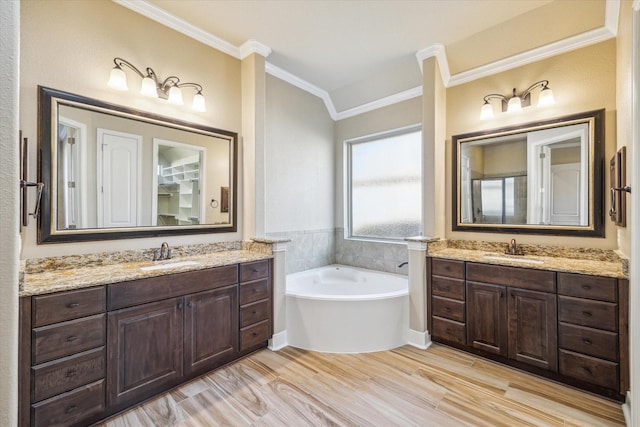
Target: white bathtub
x=341 y=309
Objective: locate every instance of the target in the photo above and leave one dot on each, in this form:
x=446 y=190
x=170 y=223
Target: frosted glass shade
x=117 y=79
x=198 y=103
x=175 y=95
x=515 y=105
x=546 y=98
x=486 y=112
x=149 y=88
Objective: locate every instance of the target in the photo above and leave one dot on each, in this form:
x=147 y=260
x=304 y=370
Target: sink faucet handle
x=169 y=255
x=156 y=256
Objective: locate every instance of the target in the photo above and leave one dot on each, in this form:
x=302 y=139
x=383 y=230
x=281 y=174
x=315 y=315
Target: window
x=384 y=191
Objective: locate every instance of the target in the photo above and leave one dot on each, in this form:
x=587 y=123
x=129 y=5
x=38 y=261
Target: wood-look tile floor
x=439 y=386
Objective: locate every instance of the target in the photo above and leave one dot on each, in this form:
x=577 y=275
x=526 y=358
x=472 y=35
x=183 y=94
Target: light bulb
x=117 y=79
x=148 y=88
x=175 y=95
x=198 y=103
x=486 y=112
x=515 y=105
x=546 y=97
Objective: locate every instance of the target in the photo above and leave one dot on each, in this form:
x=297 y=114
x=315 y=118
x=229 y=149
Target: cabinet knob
x=71 y=338
x=190 y=304
x=447 y=309
x=587 y=314
x=586 y=341
x=73 y=305
x=179 y=306
x=71 y=373
x=70 y=409
x=587 y=370
x=586 y=287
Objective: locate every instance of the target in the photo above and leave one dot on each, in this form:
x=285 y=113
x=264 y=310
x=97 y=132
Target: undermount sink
x=514 y=259
x=169 y=265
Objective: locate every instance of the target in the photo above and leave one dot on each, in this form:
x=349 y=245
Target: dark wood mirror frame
x=596 y=227
x=46 y=96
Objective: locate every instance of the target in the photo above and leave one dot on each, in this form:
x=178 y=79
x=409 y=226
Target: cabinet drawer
x=62 y=339
x=448 y=308
x=71 y=408
x=253 y=313
x=448 y=288
x=54 y=308
x=596 y=314
x=591 y=287
x=449 y=330
x=254 y=335
x=515 y=277
x=66 y=374
x=447 y=268
x=254 y=270
x=593 y=342
x=254 y=291
x=589 y=369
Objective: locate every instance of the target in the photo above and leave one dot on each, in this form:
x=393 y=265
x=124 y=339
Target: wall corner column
x=253 y=82
x=279 y=338
x=418 y=334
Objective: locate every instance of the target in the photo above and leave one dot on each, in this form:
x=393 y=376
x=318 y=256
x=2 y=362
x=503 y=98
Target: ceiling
x=354 y=52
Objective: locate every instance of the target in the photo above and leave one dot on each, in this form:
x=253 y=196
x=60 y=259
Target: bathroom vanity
x=565 y=325
x=91 y=352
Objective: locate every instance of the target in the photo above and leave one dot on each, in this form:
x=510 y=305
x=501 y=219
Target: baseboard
x=626 y=409
x=420 y=340
x=278 y=341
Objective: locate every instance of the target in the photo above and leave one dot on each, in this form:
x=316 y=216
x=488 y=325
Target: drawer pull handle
x=445 y=288
x=254 y=312
x=255 y=270
x=586 y=341
x=447 y=309
x=70 y=409
x=587 y=313
x=586 y=287
x=73 y=305
x=587 y=370
x=255 y=334
x=72 y=338
x=71 y=373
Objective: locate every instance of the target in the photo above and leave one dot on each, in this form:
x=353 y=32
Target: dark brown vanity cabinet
x=90 y=353
x=62 y=353
x=569 y=327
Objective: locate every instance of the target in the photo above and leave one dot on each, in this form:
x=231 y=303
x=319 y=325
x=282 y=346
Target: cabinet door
x=144 y=351
x=487 y=317
x=533 y=334
x=211 y=329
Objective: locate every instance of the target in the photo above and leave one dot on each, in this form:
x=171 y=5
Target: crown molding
x=581 y=40
x=607 y=31
x=380 y=103
x=439 y=52
x=165 y=18
x=304 y=85
x=254 y=46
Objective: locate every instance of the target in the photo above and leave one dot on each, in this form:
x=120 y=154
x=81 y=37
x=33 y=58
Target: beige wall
x=9 y=236
x=582 y=80
x=70 y=45
x=624 y=102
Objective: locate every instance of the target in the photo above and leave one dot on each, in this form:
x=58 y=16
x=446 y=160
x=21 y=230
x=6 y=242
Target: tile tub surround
x=42 y=276
x=379 y=256
x=560 y=258
x=306 y=249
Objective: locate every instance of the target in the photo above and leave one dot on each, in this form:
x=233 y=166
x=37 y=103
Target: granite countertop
x=609 y=268
x=83 y=277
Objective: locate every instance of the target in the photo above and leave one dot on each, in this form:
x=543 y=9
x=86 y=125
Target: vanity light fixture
x=169 y=89
x=517 y=102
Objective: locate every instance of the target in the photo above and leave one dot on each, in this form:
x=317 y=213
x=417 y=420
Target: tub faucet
x=165 y=252
x=402 y=264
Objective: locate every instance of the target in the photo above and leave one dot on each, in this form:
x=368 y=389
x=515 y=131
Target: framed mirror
x=537 y=178
x=112 y=172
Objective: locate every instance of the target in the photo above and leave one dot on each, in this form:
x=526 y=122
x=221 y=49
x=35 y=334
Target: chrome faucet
x=513 y=249
x=165 y=252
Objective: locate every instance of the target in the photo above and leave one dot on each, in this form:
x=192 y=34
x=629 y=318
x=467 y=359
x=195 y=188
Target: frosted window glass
x=386 y=196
